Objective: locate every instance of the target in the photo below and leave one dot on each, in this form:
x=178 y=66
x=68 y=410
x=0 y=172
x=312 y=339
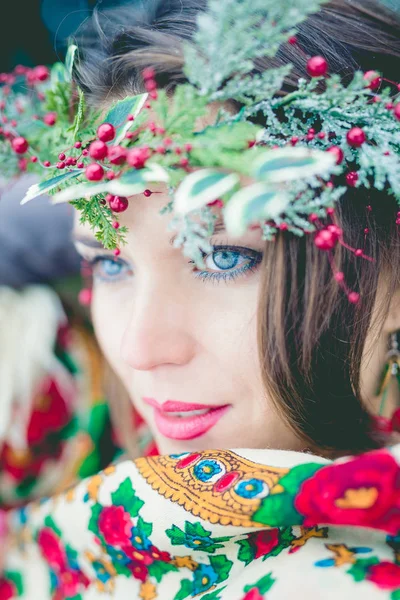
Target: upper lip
x=175 y=406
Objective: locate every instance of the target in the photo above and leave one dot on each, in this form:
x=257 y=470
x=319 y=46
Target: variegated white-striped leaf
x=119 y=113
x=286 y=164
x=37 y=189
x=201 y=187
x=253 y=204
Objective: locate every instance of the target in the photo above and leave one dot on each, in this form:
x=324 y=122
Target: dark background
x=35 y=31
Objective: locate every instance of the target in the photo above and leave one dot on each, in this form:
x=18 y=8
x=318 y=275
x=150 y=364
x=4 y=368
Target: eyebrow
x=87 y=241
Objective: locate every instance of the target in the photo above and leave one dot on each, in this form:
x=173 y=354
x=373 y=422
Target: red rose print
x=253 y=594
x=158 y=555
x=363 y=491
x=69 y=583
x=264 y=541
x=139 y=556
x=115 y=525
x=7 y=590
x=52 y=549
x=385 y=575
x=139 y=571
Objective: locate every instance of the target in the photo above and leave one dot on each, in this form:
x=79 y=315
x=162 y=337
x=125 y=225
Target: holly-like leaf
x=292 y=481
x=38 y=189
x=16 y=579
x=201 y=187
x=94 y=519
x=215 y=595
x=50 y=523
x=186 y=590
x=276 y=507
x=119 y=113
x=125 y=496
x=393 y=596
x=221 y=566
x=246 y=551
x=252 y=204
x=287 y=164
x=159 y=568
x=196 y=529
x=176 y=535
x=147 y=528
x=359 y=569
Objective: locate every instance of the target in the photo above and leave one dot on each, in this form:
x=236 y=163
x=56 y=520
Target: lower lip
x=187 y=428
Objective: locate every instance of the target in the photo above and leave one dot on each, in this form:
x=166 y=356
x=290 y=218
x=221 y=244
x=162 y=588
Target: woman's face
x=183 y=340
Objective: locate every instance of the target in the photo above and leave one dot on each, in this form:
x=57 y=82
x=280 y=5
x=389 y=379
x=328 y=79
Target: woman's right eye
x=110 y=270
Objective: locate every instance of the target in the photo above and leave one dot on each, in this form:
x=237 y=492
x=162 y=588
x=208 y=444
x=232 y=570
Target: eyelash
x=254 y=259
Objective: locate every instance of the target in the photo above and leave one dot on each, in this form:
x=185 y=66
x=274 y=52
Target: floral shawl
x=228 y=525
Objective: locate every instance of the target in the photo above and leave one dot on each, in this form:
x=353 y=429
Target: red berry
x=374 y=79
x=167 y=141
x=61 y=156
x=148 y=73
x=188 y=147
x=110 y=175
x=41 y=73
x=389 y=106
x=98 y=150
x=184 y=162
x=160 y=150
x=78 y=145
x=117 y=203
x=366 y=230
x=129 y=135
x=85 y=297
x=310 y=137
x=147 y=193
x=22 y=164
x=33 y=159
x=397 y=111
x=353 y=297
x=339 y=276
x=13 y=123
x=47 y=163
x=106 y=132
x=356 y=137
x=130 y=118
x=117 y=252
x=137 y=157
x=358 y=252
x=19 y=145
x=50 y=119
x=352 y=178
x=94 y=172
x=338 y=152
x=69 y=161
x=294 y=140
x=322 y=135
x=292 y=40
x=317 y=66
x=115 y=225
x=60 y=165
x=330 y=210
x=80 y=165
x=325 y=239
x=150 y=85
x=85 y=152
x=117 y=155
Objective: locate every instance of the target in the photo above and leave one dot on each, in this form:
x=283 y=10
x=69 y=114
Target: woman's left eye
x=108 y=269
x=227 y=263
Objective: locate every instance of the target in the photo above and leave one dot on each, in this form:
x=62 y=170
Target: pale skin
x=169 y=334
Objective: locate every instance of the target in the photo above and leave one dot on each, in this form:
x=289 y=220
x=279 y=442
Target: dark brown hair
x=311 y=339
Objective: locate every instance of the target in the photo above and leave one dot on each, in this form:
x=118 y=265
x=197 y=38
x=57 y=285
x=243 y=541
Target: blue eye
x=229 y=262
x=108 y=269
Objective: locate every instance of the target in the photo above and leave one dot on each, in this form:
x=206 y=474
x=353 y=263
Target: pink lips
x=184 y=428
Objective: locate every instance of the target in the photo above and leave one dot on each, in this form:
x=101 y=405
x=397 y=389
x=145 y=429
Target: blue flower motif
x=250 y=488
x=204 y=578
x=139 y=539
x=206 y=469
x=101 y=573
x=117 y=556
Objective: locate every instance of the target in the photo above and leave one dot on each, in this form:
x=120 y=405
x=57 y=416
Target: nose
x=158 y=329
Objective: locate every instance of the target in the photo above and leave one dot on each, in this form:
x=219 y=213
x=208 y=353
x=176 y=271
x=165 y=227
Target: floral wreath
x=314 y=138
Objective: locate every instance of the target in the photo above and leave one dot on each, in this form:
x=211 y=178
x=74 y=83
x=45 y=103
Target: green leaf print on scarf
x=125 y=496
x=195 y=537
x=359 y=569
x=278 y=509
x=263 y=585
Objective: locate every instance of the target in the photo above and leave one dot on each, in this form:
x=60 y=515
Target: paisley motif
x=218 y=486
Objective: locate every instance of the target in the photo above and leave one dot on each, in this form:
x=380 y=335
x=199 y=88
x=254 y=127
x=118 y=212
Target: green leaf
x=50 y=523
x=201 y=187
x=119 y=112
x=263 y=585
x=221 y=566
x=159 y=568
x=253 y=204
x=186 y=590
x=276 y=508
x=176 y=536
x=125 y=496
x=80 y=114
x=215 y=595
x=147 y=528
x=37 y=189
x=292 y=481
x=57 y=74
x=394 y=595
x=94 y=519
x=122 y=569
x=16 y=578
x=196 y=529
x=69 y=60
x=359 y=569
x=246 y=552
x=286 y=164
